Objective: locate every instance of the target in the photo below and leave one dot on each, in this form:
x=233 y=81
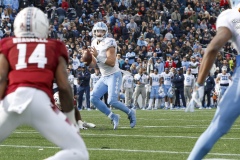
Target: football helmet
x=99 y=26
x=161 y=92
x=57 y=100
x=170 y=92
x=31 y=22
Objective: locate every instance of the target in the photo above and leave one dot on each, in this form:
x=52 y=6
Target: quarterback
x=28 y=65
x=104 y=53
x=228 y=109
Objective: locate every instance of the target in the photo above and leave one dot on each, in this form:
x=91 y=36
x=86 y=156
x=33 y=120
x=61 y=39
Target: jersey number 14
x=37 y=56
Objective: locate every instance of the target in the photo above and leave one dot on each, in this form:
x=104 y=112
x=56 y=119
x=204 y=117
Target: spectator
x=84 y=87
x=208 y=88
x=178 y=82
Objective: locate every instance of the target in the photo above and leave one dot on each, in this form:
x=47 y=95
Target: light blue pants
x=112 y=85
x=226 y=114
x=154 y=92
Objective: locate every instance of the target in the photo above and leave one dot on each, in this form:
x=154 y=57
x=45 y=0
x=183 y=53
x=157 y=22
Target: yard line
x=117 y=149
x=132 y=135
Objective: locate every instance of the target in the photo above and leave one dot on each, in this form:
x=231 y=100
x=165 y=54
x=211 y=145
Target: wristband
x=198 y=85
x=101 y=59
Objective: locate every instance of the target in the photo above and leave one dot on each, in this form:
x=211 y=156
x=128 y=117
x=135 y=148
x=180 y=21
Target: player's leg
x=151 y=98
x=144 y=96
x=136 y=95
x=54 y=126
x=9 y=121
x=114 y=84
x=80 y=98
x=98 y=91
x=128 y=97
x=227 y=112
x=87 y=92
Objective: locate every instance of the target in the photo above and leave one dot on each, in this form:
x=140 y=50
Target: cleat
x=88 y=125
x=132 y=118
x=80 y=125
x=115 y=120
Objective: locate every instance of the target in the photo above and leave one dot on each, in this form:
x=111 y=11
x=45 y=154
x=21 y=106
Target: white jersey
x=94 y=78
x=224 y=79
x=127 y=81
x=194 y=67
x=142 y=78
x=167 y=77
x=155 y=79
x=232 y=23
x=189 y=80
x=102 y=49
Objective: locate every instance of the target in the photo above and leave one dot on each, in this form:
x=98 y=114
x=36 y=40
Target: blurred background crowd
x=151 y=34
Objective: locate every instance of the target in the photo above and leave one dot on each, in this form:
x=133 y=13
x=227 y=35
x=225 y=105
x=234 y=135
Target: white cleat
x=80 y=125
x=88 y=125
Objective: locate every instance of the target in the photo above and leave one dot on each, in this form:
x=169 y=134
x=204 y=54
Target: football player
x=223 y=79
x=154 y=84
x=104 y=55
x=78 y=117
x=29 y=63
x=167 y=81
x=228 y=110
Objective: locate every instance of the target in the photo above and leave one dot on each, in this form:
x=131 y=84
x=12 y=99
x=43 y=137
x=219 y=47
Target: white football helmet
x=57 y=100
x=31 y=22
x=102 y=27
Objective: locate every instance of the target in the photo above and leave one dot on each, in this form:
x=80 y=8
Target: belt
x=224 y=84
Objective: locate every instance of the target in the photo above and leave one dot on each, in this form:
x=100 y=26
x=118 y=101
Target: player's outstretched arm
x=221 y=38
x=4 y=67
x=65 y=91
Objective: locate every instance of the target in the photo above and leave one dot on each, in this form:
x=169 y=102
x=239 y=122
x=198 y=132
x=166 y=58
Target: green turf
x=159 y=135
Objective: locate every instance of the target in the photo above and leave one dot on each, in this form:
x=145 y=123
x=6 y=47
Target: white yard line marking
x=142 y=136
x=121 y=150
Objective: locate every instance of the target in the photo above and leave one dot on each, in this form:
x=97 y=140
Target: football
x=87 y=57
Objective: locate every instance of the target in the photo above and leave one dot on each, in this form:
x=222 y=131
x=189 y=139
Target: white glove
x=197 y=97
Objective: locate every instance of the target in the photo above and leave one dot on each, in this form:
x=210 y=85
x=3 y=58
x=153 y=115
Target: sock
x=156 y=103
x=166 y=104
x=150 y=103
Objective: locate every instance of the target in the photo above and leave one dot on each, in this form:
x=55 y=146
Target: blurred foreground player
x=28 y=64
x=228 y=110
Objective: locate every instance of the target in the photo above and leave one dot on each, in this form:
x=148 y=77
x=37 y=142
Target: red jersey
x=32 y=62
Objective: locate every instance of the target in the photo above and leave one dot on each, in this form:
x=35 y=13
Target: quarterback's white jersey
x=127 y=81
x=224 y=79
x=189 y=80
x=94 y=78
x=167 y=78
x=155 y=79
x=232 y=23
x=102 y=49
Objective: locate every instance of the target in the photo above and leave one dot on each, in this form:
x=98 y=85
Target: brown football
x=87 y=57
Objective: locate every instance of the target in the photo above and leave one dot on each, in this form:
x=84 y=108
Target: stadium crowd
x=162 y=37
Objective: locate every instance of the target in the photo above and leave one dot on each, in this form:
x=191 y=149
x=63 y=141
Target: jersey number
x=37 y=56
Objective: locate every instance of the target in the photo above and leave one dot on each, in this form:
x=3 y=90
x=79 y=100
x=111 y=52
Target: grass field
x=159 y=135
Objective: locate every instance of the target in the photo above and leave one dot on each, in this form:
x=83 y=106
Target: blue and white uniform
x=228 y=110
x=110 y=80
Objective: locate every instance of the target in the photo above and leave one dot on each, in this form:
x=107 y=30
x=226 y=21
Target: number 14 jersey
x=32 y=62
